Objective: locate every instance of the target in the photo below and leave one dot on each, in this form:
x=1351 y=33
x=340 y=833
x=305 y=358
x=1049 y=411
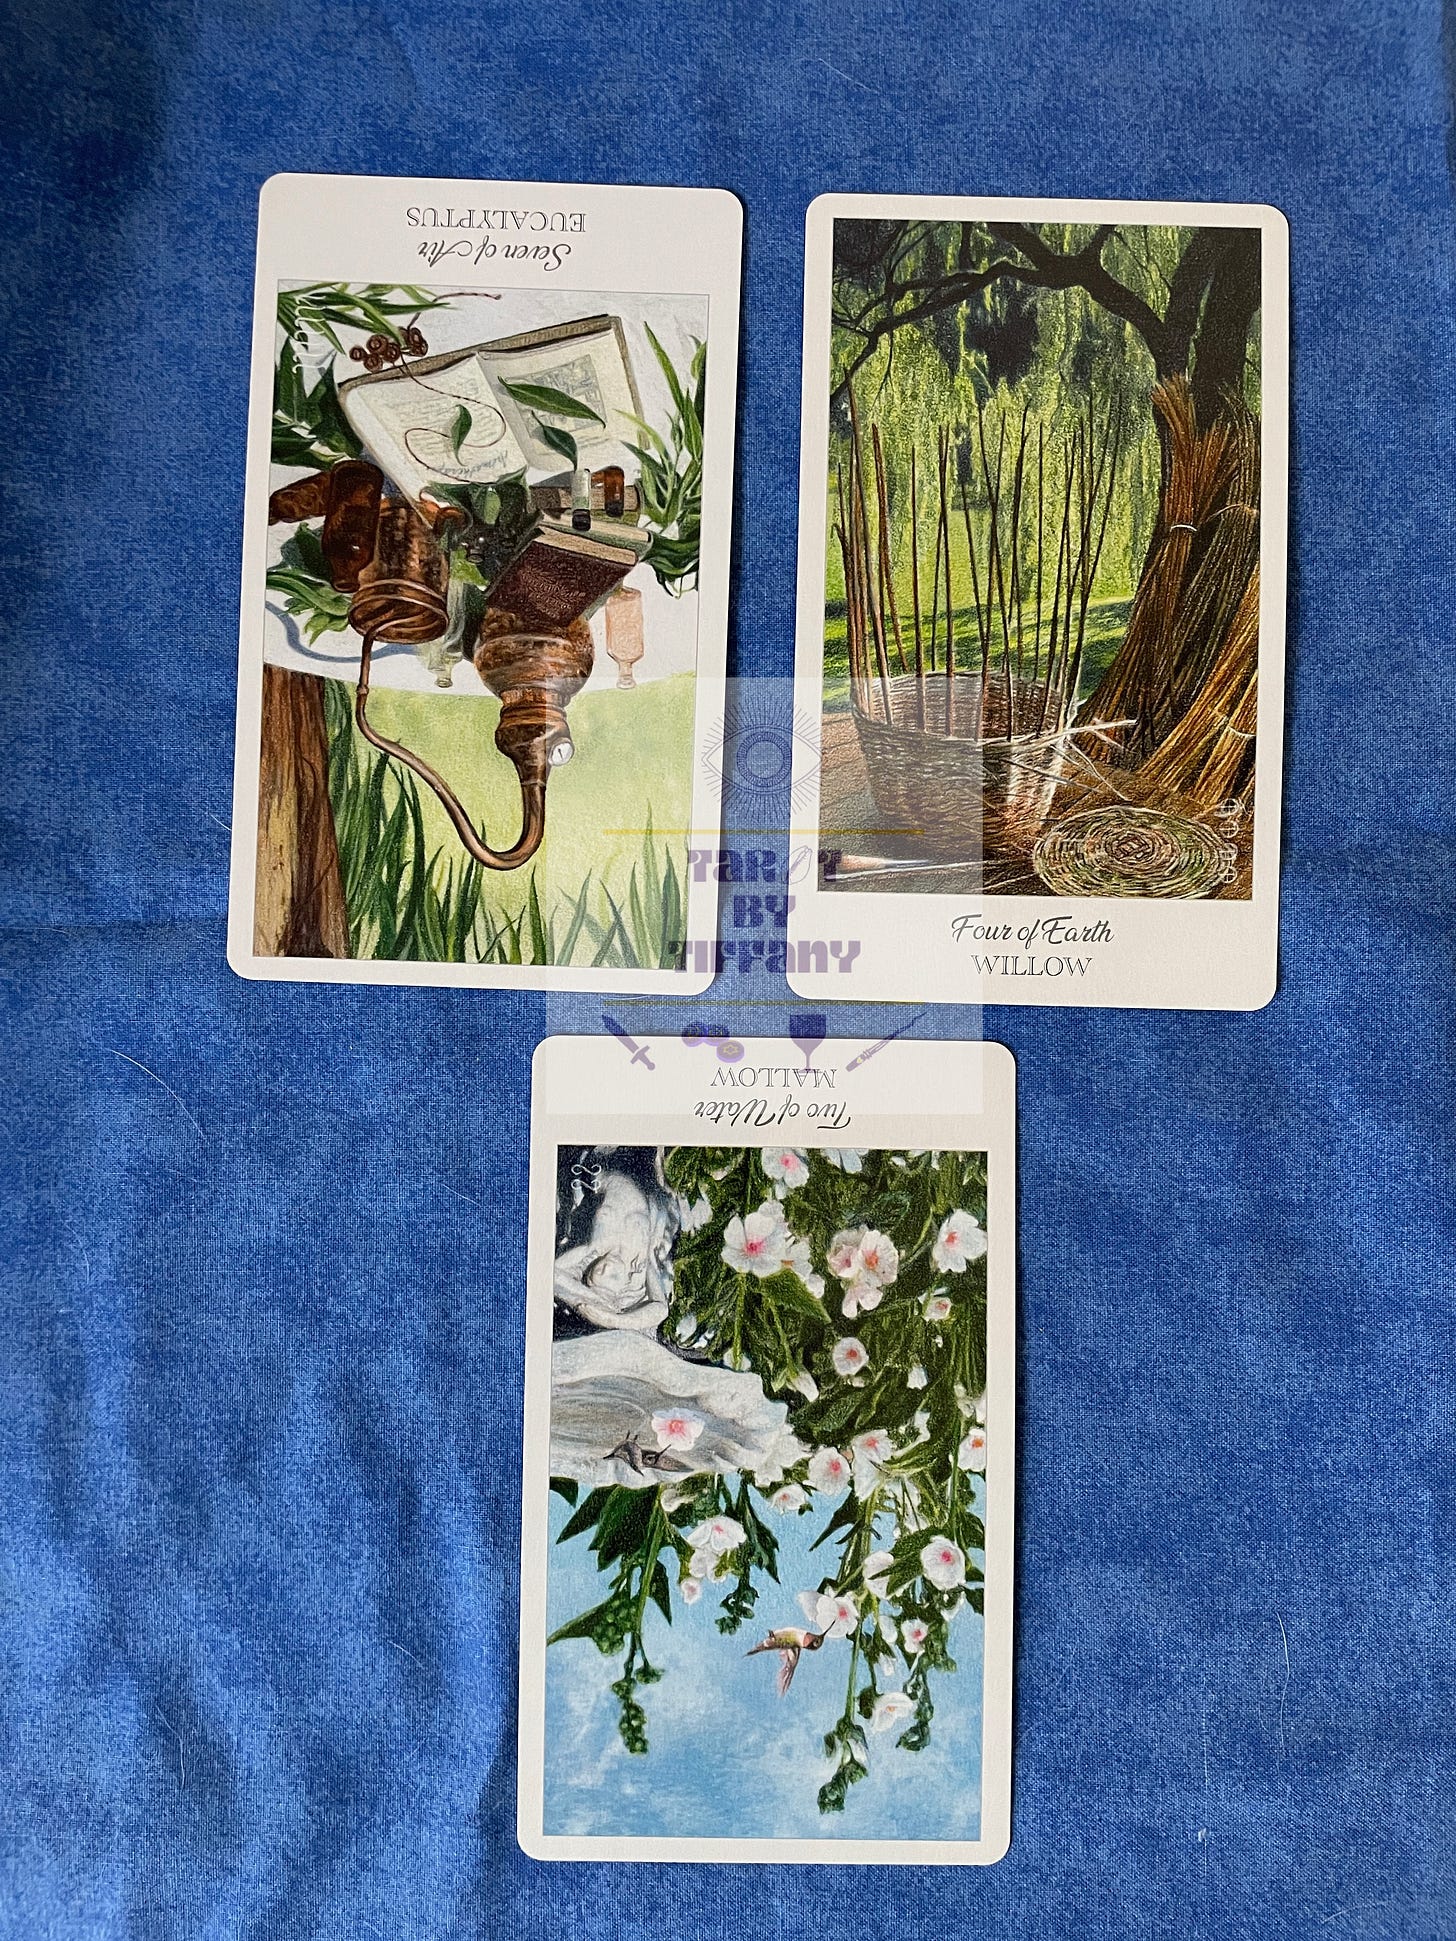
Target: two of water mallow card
x=768 y=1453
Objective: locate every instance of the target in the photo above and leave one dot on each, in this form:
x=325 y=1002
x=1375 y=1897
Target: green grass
x=1106 y=625
x=412 y=894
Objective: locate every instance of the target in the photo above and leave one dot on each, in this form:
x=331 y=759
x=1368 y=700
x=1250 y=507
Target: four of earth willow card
x=766 y=1588
x=485 y=582
x=1041 y=598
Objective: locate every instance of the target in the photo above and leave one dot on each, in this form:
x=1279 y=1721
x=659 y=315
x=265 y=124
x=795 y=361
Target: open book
x=450 y=418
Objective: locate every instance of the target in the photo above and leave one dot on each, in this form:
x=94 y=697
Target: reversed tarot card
x=1041 y=598
x=766 y=1591
x=485 y=583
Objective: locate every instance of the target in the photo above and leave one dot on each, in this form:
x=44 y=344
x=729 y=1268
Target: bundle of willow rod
x=1014 y=668
x=1192 y=600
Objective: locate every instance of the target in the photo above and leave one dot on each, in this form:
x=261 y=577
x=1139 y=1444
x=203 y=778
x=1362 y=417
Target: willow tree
x=1191 y=299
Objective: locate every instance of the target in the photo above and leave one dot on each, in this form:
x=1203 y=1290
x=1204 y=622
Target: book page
x=438 y=425
x=592 y=369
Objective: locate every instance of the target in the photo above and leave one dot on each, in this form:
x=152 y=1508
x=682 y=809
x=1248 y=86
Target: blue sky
x=729 y=1758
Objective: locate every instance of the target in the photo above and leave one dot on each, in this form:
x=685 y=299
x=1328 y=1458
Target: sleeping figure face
x=618 y=1274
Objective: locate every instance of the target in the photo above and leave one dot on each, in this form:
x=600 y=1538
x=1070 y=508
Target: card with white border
x=1040 y=632
x=485 y=582
x=768 y=1452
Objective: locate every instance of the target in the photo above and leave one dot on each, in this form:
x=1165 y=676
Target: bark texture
x=298 y=902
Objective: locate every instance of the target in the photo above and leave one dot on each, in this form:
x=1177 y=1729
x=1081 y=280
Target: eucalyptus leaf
x=560 y=404
x=559 y=441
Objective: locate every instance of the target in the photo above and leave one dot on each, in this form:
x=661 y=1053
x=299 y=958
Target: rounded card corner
x=532 y=1843
x=242 y=963
x=998 y=1845
x=275 y=185
x=1269 y=992
x=999 y=1054
x=545 y=1051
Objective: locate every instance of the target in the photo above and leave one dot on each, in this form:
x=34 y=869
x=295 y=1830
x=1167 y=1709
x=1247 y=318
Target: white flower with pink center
x=960 y=1241
x=719 y=1534
x=869 y=1261
x=972 y=1452
x=850 y=1356
x=891 y=1709
x=676 y=1428
x=937 y=1308
x=860 y=1297
x=701 y=1563
x=844 y=1253
x=877 y=1573
x=830 y=1612
x=943 y=1563
x=829 y=1472
x=690 y=1590
x=879 y=1258
x=873 y=1446
x=790 y=1498
x=913 y=1633
x=755 y=1243
x=787 y=1165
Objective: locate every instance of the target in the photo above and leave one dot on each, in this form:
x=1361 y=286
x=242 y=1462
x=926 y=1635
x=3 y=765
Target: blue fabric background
x=262 y=1339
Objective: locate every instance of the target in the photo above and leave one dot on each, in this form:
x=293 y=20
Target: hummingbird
x=789 y=1641
x=640 y=1459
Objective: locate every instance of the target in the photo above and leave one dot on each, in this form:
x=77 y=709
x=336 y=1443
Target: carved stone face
x=620 y=1276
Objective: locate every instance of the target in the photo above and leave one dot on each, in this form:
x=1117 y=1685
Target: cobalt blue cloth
x=262 y=1335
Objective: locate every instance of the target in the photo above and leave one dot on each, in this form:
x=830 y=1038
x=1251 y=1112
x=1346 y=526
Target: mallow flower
x=960 y=1241
x=943 y=1563
x=830 y=1612
x=891 y=1709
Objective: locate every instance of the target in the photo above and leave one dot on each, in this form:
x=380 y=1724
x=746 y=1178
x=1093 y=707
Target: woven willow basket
x=932 y=770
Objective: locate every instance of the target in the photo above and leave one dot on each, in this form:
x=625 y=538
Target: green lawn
x=405 y=872
x=1106 y=625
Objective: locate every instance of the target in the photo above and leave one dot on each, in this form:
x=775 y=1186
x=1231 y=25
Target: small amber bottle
x=614 y=491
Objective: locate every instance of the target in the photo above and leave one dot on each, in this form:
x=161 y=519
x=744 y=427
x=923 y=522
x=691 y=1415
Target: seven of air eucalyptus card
x=1041 y=598
x=485 y=582
x=766 y=1592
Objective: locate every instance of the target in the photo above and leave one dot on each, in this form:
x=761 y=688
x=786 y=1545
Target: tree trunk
x=298 y=901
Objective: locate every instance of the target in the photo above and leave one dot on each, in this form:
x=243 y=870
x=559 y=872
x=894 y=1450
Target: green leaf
x=847 y=1513
x=559 y=441
x=460 y=428
x=545 y=397
x=565 y=1486
x=661 y=1591
x=622 y=1526
x=540 y=947
x=585 y=1626
x=587 y=1515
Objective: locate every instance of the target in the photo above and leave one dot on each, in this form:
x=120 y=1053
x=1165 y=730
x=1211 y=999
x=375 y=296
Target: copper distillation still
x=389 y=556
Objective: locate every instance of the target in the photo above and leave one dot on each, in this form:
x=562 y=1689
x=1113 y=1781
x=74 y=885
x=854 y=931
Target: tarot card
x=766 y=1593
x=485 y=583
x=1041 y=598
